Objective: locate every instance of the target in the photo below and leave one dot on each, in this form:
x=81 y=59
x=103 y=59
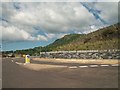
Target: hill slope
x=67 y=39
x=104 y=38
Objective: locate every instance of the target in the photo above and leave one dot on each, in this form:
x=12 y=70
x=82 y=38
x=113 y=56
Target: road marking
x=83 y=66
x=115 y=65
x=73 y=67
x=60 y=66
x=12 y=60
x=93 y=65
x=104 y=65
x=24 y=64
x=18 y=63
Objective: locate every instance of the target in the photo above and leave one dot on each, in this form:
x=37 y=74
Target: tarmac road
x=15 y=76
x=0 y=72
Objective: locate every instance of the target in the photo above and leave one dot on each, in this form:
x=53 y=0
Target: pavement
x=0 y=72
x=49 y=74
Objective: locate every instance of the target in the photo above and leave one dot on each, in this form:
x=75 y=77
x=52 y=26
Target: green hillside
x=104 y=38
x=67 y=39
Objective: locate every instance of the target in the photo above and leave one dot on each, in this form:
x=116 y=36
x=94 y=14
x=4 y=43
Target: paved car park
x=44 y=74
x=0 y=72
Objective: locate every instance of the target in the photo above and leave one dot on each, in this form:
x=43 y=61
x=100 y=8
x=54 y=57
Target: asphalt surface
x=73 y=76
x=0 y=72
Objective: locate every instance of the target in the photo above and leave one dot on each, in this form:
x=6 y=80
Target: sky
x=31 y=24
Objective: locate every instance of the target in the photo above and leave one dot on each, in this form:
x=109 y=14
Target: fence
x=83 y=54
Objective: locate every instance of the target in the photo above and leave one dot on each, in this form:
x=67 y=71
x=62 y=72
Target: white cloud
x=109 y=11
x=15 y=34
x=55 y=19
x=57 y=36
x=41 y=38
x=59 y=0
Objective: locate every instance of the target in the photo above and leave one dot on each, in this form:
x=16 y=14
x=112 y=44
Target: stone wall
x=83 y=54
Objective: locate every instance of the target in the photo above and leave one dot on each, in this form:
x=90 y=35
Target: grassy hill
x=67 y=39
x=104 y=38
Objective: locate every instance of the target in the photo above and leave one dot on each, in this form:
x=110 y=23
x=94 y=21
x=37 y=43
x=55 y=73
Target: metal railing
x=80 y=51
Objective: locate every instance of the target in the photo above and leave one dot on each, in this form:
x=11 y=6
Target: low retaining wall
x=83 y=54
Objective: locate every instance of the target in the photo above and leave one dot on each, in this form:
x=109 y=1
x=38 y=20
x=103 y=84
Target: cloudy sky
x=31 y=24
